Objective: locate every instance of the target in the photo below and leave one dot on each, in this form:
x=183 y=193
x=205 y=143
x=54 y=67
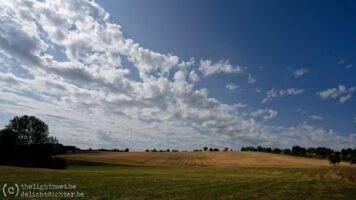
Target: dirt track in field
x=213 y=159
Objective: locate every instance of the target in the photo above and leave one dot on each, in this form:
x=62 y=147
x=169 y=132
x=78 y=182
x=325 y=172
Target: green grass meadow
x=104 y=181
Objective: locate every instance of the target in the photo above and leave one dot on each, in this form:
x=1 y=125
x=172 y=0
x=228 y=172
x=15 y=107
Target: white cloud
x=186 y=64
x=239 y=105
x=272 y=93
x=231 y=86
x=251 y=80
x=193 y=76
x=315 y=117
x=300 y=72
x=266 y=114
x=179 y=76
x=291 y=91
x=332 y=92
x=207 y=67
x=77 y=82
x=343 y=99
x=341 y=92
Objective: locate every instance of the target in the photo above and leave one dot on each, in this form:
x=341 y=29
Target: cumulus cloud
x=193 y=76
x=207 y=67
x=77 y=82
x=272 y=93
x=231 y=86
x=341 y=92
x=300 y=72
x=187 y=64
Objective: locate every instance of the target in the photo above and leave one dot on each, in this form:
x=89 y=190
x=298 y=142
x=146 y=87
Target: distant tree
x=248 y=149
x=127 y=150
x=286 y=151
x=311 y=151
x=299 y=151
x=334 y=158
x=226 y=149
x=353 y=159
x=147 y=150
x=323 y=152
x=276 y=150
x=168 y=150
x=346 y=154
x=71 y=149
x=205 y=148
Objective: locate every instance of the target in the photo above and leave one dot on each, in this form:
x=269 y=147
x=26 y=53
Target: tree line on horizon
x=347 y=155
x=195 y=150
x=25 y=141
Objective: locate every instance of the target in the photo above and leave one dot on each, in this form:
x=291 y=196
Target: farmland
x=212 y=159
x=198 y=175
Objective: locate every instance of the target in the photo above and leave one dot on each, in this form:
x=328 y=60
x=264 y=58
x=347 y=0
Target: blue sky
x=182 y=73
x=281 y=36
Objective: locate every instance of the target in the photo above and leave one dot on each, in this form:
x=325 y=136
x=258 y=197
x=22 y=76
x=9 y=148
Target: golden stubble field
x=194 y=175
x=210 y=159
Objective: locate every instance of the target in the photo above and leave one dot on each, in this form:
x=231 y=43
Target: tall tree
x=25 y=141
x=30 y=130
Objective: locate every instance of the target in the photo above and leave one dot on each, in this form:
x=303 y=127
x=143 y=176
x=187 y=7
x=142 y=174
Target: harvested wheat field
x=213 y=159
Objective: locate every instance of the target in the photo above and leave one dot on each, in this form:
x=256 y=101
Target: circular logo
x=10 y=190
